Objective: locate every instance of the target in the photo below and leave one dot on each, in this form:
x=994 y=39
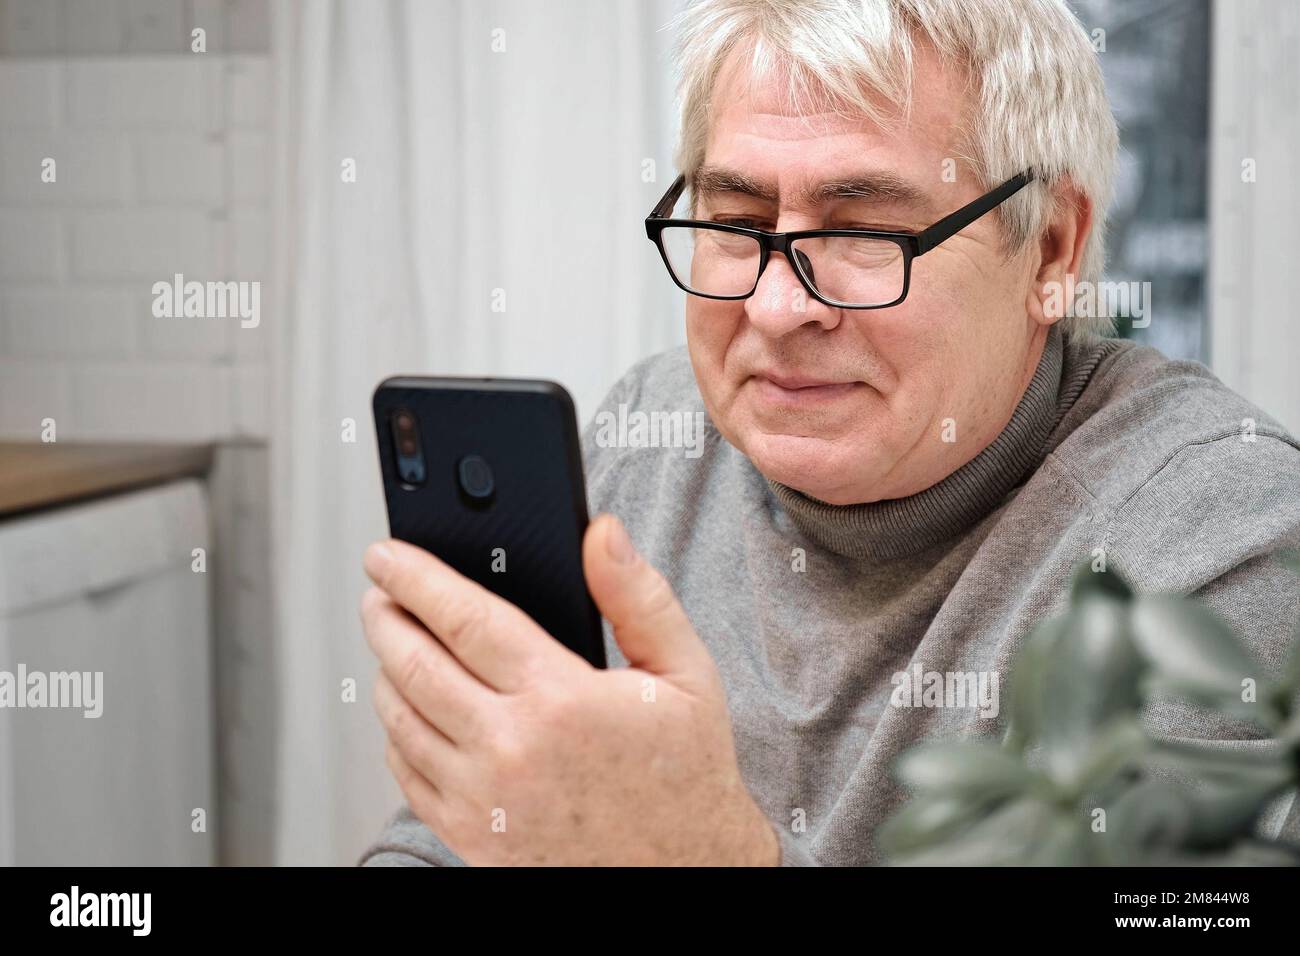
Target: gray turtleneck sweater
x=813 y=611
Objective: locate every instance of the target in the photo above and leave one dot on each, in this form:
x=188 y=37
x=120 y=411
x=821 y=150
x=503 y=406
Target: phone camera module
x=406 y=442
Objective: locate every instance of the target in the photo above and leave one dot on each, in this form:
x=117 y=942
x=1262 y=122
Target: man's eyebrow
x=871 y=187
x=876 y=187
x=715 y=179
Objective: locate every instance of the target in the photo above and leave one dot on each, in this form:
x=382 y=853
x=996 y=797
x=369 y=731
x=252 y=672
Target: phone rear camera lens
x=475 y=477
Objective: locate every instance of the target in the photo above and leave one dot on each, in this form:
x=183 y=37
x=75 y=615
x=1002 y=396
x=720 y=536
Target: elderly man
x=909 y=446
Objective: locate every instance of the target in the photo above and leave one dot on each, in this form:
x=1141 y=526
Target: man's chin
x=817 y=467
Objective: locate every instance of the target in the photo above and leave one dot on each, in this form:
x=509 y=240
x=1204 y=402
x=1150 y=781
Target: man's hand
x=515 y=750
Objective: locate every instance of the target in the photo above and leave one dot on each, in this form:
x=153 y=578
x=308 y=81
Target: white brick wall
x=92 y=168
x=162 y=166
x=183 y=168
x=80 y=27
x=31 y=95
x=31 y=246
x=165 y=93
x=70 y=324
x=145 y=245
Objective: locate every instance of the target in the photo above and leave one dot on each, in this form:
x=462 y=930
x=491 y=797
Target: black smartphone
x=486 y=474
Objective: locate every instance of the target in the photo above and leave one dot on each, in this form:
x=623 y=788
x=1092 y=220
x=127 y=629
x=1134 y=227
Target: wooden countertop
x=37 y=475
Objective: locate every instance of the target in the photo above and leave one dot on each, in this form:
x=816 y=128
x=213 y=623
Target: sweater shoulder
x=662 y=384
x=1194 y=479
x=665 y=379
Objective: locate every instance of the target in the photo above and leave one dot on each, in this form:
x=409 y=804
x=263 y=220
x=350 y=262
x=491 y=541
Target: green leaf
x=1289 y=733
x=1146 y=821
x=1026 y=683
x=1089 y=583
x=1291 y=672
x=928 y=819
x=976 y=769
x=1066 y=840
x=1074 y=696
x=956 y=783
x=1263 y=711
x=1005 y=837
x=1112 y=751
x=1209 y=759
x=1091 y=680
x=1223 y=812
x=1192 y=648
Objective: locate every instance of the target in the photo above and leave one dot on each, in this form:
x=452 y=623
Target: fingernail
x=618 y=544
x=378 y=557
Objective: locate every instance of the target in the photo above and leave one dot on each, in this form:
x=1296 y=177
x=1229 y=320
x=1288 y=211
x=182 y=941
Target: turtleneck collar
x=906 y=526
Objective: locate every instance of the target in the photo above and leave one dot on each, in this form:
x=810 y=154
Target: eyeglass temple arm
x=955 y=222
x=665 y=205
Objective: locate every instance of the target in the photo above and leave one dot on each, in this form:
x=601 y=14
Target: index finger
x=492 y=639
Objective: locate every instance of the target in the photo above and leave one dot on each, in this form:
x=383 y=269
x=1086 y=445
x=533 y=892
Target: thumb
x=650 y=625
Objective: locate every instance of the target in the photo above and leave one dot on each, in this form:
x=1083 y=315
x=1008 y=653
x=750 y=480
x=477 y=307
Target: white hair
x=1040 y=102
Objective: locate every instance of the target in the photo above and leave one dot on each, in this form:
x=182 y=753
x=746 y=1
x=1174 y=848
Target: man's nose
x=780 y=302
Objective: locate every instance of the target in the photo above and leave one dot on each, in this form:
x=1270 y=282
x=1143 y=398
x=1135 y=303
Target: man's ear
x=1060 y=254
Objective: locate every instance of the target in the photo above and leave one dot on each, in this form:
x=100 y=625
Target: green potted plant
x=1078 y=780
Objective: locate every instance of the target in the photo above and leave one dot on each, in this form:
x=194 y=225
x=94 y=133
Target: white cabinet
x=107 y=588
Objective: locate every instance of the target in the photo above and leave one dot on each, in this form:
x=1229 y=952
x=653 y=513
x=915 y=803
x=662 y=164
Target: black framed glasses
x=842 y=268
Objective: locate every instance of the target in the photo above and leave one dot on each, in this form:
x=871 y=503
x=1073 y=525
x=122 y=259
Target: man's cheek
x=707 y=343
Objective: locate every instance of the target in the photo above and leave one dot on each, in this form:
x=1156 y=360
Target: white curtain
x=1254 y=227
x=501 y=152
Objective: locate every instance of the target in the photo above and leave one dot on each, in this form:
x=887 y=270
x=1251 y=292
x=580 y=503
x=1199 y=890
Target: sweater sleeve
x=1260 y=600
x=794 y=849
x=408 y=842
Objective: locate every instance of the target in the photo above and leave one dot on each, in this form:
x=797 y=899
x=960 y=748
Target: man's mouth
x=798 y=390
